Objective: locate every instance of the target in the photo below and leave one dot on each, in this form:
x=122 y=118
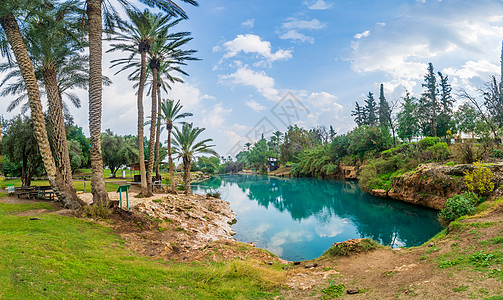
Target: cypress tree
x=370 y=110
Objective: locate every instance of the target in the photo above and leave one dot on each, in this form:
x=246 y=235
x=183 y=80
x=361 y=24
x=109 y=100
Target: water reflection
x=299 y=218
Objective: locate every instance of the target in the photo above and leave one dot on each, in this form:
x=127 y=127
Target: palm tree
x=13 y=35
x=170 y=114
x=94 y=19
x=165 y=48
x=164 y=81
x=51 y=45
x=73 y=73
x=186 y=147
x=137 y=37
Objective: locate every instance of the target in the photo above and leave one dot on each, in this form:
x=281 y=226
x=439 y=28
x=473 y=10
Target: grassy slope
x=63 y=257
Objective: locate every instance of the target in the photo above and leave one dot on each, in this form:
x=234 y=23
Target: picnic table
x=35 y=192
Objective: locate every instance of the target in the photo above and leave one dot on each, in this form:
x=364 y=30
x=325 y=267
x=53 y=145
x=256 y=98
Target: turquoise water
x=300 y=218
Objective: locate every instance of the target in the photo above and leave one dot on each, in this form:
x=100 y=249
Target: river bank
x=464 y=261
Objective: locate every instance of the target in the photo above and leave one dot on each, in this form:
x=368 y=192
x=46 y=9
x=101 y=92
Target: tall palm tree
x=164 y=48
x=164 y=81
x=136 y=37
x=170 y=114
x=51 y=44
x=13 y=35
x=94 y=18
x=186 y=147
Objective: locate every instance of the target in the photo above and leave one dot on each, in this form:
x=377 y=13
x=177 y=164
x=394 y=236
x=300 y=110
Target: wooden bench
x=35 y=192
x=24 y=191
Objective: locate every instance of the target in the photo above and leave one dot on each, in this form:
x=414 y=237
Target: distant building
x=272 y=163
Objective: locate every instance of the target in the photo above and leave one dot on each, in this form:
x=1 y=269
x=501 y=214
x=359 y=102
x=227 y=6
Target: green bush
x=427 y=142
x=459 y=205
x=497 y=153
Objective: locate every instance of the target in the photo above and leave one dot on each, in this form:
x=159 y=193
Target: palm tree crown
x=186 y=147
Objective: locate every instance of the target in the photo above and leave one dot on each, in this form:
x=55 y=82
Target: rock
x=311 y=266
x=379 y=193
x=251 y=244
x=35 y=219
x=269 y=263
x=296 y=263
x=353 y=291
x=431 y=244
x=428 y=185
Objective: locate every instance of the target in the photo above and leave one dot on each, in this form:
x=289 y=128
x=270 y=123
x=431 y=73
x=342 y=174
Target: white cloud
x=259 y=80
x=251 y=43
x=358 y=36
x=471 y=69
x=324 y=100
x=214 y=118
x=468 y=36
x=248 y=23
x=296 y=36
x=318 y=5
x=255 y=105
x=294 y=23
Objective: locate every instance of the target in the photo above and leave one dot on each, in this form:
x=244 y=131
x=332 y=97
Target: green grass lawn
x=79 y=185
x=60 y=257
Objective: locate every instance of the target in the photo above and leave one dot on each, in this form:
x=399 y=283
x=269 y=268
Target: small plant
x=157 y=200
x=450 y=163
x=479 y=181
x=215 y=194
x=497 y=153
x=333 y=291
x=459 y=205
x=96 y=211
x=351 y=246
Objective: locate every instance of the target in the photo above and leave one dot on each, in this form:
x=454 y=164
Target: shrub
x=351 y=247
x=479 y=181
x=427 y=142
x=459 y=205
x=497 y=153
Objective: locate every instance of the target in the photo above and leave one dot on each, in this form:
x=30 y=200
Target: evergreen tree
x=359 y=114
x=445 y=118
x=370 y=110
x=384 y=110
x=429 y=102
x=408 y=118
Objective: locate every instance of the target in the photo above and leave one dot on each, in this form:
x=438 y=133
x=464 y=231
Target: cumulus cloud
x=318 y=5
x=248 y=23
x=358 y=36
x=296 y=36
x=251 y=43
x=295 y=23
x=247 y=77
x=472 y=32
x=324 y=100
x=255 y=105
x=290 y=29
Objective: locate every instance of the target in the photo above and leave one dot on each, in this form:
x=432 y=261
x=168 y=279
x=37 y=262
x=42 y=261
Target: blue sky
x=323 y=54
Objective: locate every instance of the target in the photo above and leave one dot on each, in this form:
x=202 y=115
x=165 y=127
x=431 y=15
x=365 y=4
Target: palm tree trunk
x=170 y=162
x=186 y=175
x=99 y=189
x=153 y=122
x=158 y=133
x=59 y=142
x=11 y=28
x=141 y=150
